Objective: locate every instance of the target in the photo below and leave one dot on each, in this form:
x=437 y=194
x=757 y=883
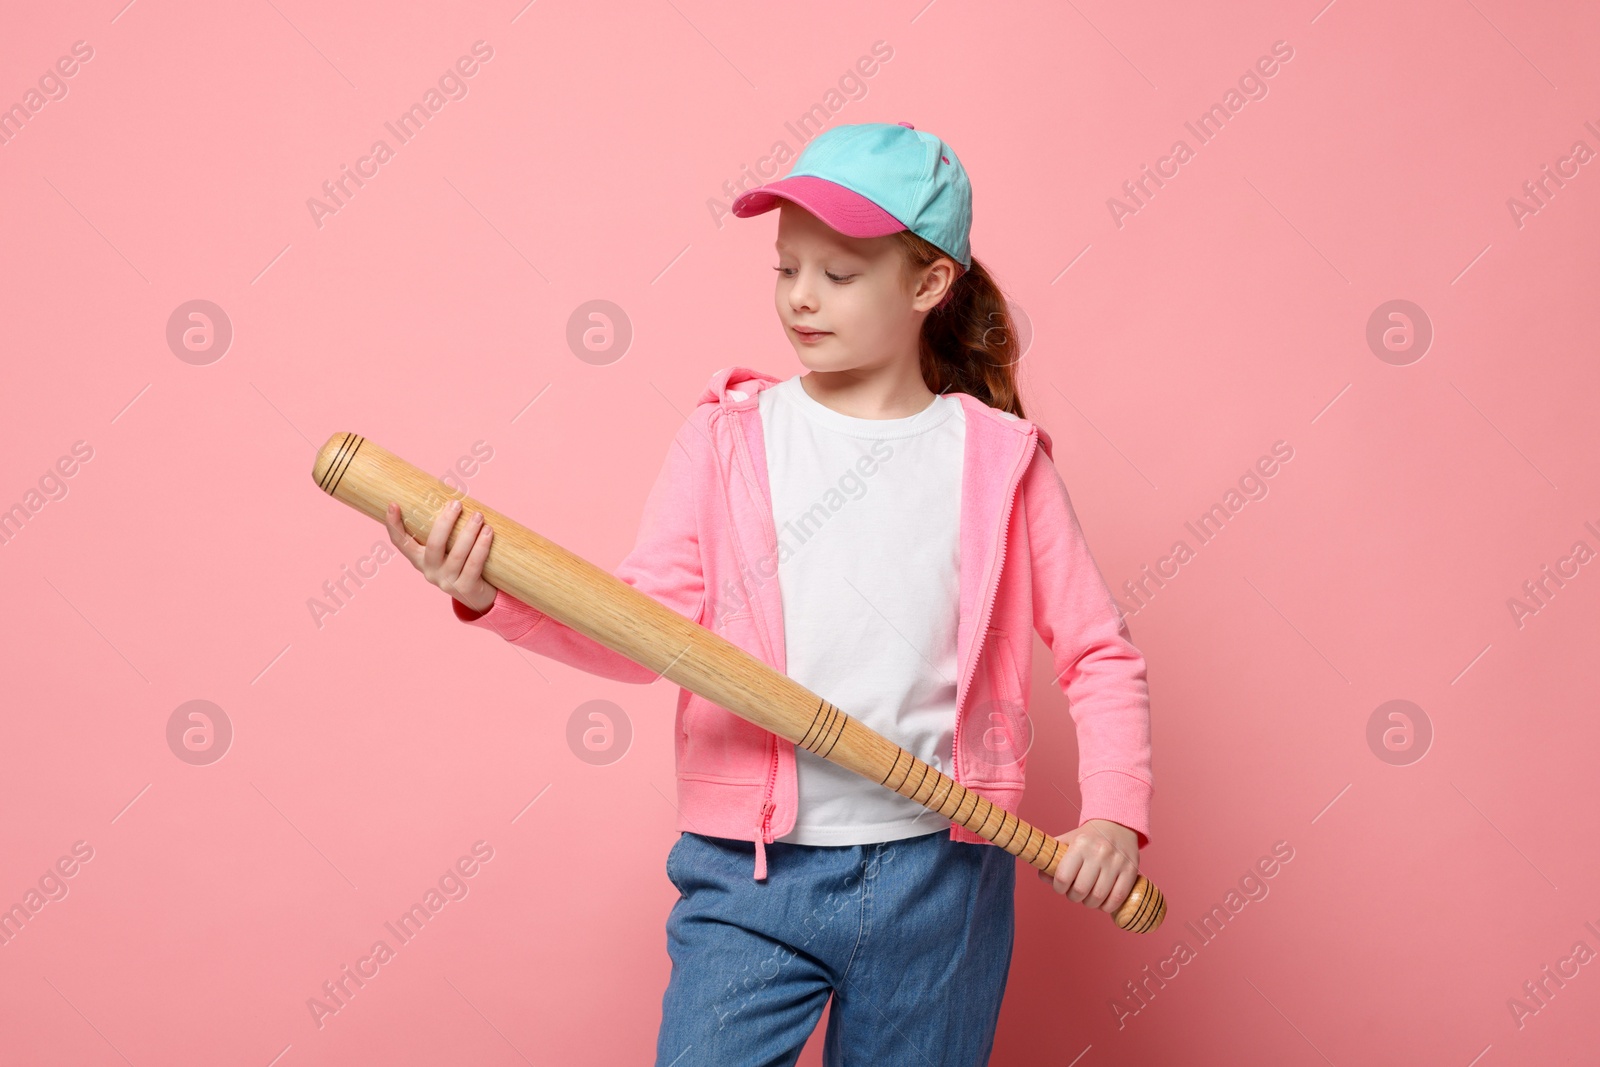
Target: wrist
x=472 y=612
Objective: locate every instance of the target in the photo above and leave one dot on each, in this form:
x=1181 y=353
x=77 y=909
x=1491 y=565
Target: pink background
x=1170 y=351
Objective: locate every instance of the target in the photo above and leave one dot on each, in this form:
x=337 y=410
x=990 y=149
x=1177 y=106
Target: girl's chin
x=814 y=360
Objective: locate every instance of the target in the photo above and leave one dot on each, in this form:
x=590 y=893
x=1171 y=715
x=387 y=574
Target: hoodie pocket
x=996 y=733
x=717 y=745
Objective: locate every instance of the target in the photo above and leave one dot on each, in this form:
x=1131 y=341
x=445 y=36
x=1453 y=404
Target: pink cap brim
x=843 y=209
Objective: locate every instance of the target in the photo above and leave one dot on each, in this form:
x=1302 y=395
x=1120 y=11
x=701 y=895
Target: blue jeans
x=912 y=938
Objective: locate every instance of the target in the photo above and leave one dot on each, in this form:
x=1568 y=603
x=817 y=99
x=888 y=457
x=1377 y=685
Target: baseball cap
x=871 y=179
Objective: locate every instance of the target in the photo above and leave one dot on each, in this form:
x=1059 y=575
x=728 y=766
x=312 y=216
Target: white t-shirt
x=867 y=513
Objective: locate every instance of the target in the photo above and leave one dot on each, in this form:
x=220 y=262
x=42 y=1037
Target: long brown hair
x=969 y=343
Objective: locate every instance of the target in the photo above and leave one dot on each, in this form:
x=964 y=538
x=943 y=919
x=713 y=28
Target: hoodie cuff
x=1119 y=798
x=507 y=616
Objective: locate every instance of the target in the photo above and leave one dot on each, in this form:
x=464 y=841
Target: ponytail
x=969 y=343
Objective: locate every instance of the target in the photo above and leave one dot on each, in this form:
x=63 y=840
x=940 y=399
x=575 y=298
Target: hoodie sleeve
x=1096 y=664
x=664 y=564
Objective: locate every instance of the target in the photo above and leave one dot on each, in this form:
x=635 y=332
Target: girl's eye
x=831 y=276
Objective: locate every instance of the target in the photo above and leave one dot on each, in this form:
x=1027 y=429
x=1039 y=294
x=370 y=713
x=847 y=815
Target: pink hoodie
x=707 y=549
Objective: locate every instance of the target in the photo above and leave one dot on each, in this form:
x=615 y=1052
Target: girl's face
x=852 y=291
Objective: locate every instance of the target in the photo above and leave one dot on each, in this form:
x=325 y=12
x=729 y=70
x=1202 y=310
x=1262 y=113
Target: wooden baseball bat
x=600 y=605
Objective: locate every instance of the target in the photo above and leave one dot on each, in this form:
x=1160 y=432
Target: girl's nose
x=803 y=294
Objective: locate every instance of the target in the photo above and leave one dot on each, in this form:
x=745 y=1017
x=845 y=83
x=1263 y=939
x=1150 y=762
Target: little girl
x=889 y=531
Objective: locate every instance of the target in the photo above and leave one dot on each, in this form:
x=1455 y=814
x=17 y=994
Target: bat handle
x=938 y=792
x=1142 y=911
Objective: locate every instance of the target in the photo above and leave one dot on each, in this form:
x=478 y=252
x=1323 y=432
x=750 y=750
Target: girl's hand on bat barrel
x=1100 y=865
x=460 y=573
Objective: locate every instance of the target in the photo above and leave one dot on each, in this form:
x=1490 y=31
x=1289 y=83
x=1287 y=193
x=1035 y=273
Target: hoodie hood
x=741 y=380
x=733 y=385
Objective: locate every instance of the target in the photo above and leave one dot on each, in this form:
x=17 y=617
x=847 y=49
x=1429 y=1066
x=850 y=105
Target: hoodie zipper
x=764 y=826
x=763 y=834
x=994 y=591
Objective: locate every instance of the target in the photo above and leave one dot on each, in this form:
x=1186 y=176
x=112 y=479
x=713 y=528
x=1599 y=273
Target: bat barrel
x=575 y=592
x=333 y=459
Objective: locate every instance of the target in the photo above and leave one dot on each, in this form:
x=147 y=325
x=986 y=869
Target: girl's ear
x=937 y=281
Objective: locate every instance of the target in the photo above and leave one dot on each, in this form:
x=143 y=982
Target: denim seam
x=865 y=926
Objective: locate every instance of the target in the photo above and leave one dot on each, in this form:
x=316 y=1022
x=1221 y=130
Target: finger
x=433 y=555
x=409 y=546
x=480 y=550
x=395 y=521
x=1103 y=884
x=1120 y=891
x=1067 y=870
x=1083 y=885
x=464 y=544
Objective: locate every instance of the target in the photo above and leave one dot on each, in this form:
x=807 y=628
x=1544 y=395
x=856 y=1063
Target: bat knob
x=1144 y=909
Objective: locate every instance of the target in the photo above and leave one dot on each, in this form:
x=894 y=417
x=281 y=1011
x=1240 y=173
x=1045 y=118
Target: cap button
x=908 y=125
